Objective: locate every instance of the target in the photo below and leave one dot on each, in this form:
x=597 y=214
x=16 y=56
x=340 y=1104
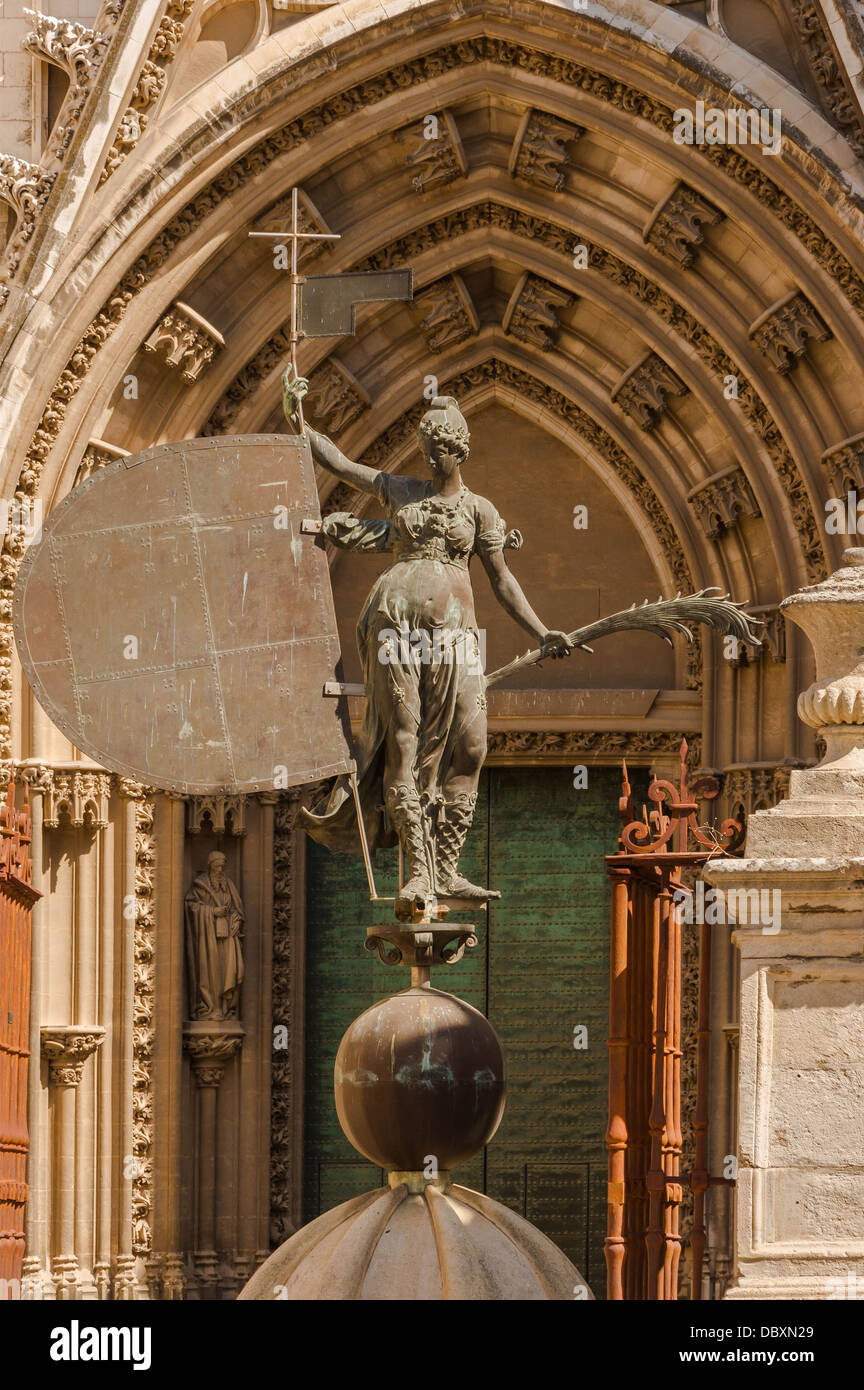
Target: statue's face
x=217 y=873
x=441 y=458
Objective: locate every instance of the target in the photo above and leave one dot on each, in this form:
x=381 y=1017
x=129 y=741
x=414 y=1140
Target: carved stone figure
x=214 y=956
x=424 y=738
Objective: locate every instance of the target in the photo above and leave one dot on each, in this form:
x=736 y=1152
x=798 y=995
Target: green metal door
x=540 y=974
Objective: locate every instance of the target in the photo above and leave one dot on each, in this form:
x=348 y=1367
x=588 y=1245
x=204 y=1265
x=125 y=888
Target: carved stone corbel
x=450 y=316
x=190 y=343
x=335 y=398
x=437 y=152
x=720 y=502
x=98 y=454
x=540 y=153
x=844 y=465
x=84 y=795
x=675 y=226
x=785 y=330
x=644 y=388
x=67 y=1048
x=150 y=85
x=220 y=810
x=532 y=313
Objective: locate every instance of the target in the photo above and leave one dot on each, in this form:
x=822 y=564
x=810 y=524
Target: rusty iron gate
x=17 y=896
x=644 y=1133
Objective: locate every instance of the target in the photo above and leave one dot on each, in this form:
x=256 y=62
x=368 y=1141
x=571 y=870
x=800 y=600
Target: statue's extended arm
x=508 y=592
x=324 y=451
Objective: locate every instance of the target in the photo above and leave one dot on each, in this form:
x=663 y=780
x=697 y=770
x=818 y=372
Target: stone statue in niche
x=214 y=954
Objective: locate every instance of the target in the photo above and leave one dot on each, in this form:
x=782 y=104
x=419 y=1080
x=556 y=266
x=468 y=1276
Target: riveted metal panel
x=177 y=623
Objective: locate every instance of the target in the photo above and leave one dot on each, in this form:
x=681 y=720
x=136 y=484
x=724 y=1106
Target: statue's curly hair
x=456 y=436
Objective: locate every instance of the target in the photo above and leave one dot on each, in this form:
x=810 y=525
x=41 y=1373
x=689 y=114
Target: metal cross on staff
x=322 y=306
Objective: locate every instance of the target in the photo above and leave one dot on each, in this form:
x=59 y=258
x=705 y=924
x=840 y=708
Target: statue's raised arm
x=324 y=451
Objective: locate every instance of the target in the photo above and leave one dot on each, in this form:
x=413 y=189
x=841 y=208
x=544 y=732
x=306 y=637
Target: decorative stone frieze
x=449 y=315
x=541 y=149
x=98 y=454
x=844 y=466
x=436 y=151
x=675 y=226
x=644 y=388
x=335 y=398
x=223 y=813
x=67 y=1048
x=785 y=330
x=187 y=340
x=532 y=313
x=721 y=502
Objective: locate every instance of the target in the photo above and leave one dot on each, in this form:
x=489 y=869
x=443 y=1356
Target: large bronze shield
x=176 y=620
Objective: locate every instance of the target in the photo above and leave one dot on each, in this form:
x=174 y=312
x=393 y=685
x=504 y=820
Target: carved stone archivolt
x=721 y=502
x=98 y=454
x=650 y=296
x=532 y=313
x=784 y=332
x=150 y=85
x=644 y=389
x=186 y=340
x=449 y=317
x=67 y=1049
x=542 y=149
x=335 y=398
x=675 y=226
x=814 y=35
x=844 y=466
x=436 y=155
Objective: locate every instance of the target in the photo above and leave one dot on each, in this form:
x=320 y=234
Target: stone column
x=67 y=1049
x=798 y=913
x=210 y=1043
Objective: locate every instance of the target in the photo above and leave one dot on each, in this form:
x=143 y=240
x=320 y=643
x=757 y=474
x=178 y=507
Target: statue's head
x=444 y=437
x=216 y=864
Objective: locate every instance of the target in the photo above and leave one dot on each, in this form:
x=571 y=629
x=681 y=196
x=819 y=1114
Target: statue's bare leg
x=402 y=802
x=459 y=798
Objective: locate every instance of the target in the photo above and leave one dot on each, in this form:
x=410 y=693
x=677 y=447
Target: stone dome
x=436 y=1243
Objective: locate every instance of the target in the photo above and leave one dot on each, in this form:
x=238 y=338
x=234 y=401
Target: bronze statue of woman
x=423 y=741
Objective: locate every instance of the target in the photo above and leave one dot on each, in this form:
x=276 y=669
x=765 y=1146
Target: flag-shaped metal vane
x=323 y=306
